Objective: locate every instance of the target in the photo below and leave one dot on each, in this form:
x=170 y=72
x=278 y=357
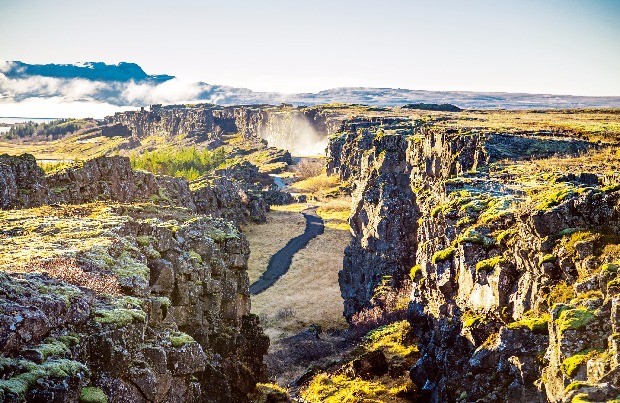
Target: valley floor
x=308 y=294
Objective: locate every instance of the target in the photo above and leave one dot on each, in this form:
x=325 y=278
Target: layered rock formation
x=238 y=193
x=514 y=293
x=140 y=298
x=285 y=127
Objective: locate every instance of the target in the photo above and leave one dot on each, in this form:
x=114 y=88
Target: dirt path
x=281 y=261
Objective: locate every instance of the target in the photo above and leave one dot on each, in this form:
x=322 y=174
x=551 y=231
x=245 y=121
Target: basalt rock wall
x=285 y=127
x=152 y=304
x=513 y=298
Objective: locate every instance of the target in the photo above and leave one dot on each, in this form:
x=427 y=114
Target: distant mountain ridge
x=126 y=84
x=94 y=71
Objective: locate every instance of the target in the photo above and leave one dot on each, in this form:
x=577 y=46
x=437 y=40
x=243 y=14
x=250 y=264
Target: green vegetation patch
x=553 y=197
x=576 y=385
x=538 y=325
x=472 y=235
x=571 y=365
x=325 y=388
x=471 y=319
x=488 y=265
x=548 y=258
x=575 y=318
x=391 y=340
x=91 y=394
x=119 y=316
x=179 y=339
x=29 y=373
x=443 y=255
x=415 y=273
x=187 y=162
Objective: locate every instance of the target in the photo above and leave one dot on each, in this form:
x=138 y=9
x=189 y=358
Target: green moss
x=29 y=373
x=612 y=188
x=179 y=339
x=391 y=340
x=571 y=365
x=69 y=340
x=553 y=197
x=489 y=264
x=473 y=236
x=574 y=318
x=576 y=385
x=268 y=392
x=581 y=398
x=415 y=272
x=538 y=325
x=127 y=266
x=220 y=235
x=613 y=283
x=505 y=235
x=144 y=240
x=119 y=316
x=610 y=269
x=470 y=319
x=443 y=255
x=569 y=231
x=92 y=394
x=195 y=256
x=548 y=258
x=55 y=348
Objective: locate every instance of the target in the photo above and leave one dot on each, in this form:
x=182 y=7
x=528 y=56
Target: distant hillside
x=126 y=85
x=94 y=71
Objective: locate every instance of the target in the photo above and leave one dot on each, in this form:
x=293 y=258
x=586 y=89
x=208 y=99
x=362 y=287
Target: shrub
x=69 y=271
x=188 y=162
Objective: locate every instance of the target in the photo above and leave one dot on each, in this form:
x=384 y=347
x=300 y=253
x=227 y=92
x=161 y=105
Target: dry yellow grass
x=266 y=239
x=309 y=292
x=335 y=213
x=317 y=184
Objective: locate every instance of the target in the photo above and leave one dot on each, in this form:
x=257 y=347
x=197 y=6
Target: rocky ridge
x=513 y=279
x=209 y=125
x=125 y=284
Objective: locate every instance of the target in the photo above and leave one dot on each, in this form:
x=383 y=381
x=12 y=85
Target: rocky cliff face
x=237 y=193
x=141 y=298
x=285 y=127
x=384 y=217
x=514 y=274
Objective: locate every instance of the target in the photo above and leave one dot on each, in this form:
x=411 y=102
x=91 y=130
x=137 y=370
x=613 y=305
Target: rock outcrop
x=513 y=276
x=238 y=193
x=285 y=127
x=116 y=283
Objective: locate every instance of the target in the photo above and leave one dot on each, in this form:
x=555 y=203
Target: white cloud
x=57 y=107
x=170 y=91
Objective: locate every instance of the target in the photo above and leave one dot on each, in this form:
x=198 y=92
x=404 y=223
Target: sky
x=547 y=46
